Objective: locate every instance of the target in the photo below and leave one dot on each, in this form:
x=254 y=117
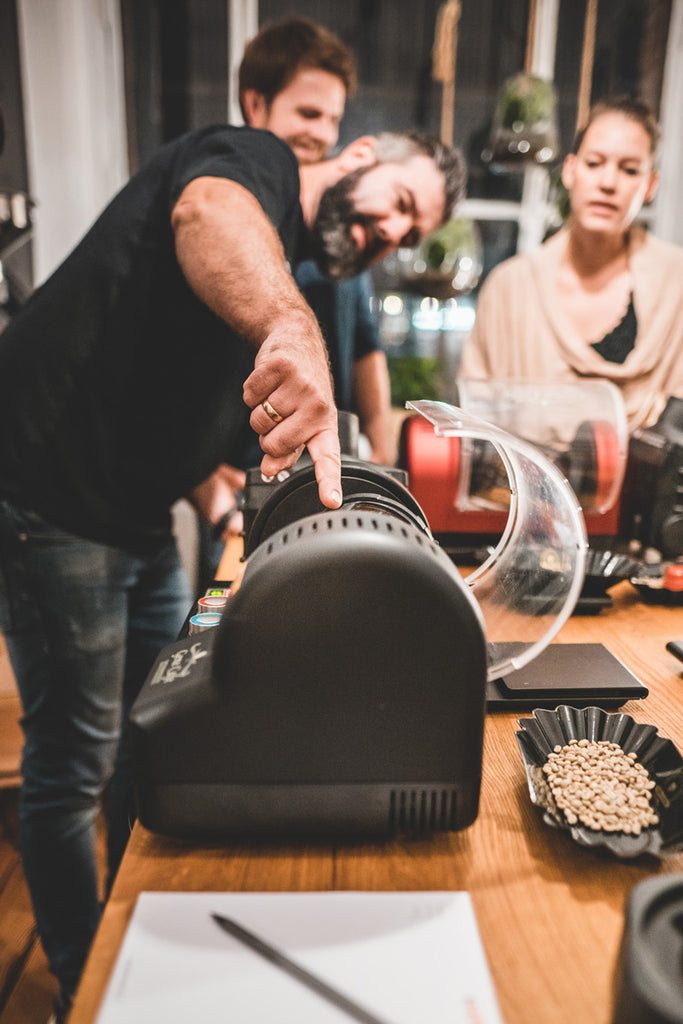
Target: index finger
x=325 y=452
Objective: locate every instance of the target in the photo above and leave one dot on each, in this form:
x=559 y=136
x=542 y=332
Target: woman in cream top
x=601 y=298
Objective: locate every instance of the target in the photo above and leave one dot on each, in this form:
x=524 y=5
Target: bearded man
x=173 y=327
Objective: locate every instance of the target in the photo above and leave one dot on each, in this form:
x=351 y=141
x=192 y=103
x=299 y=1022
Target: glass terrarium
x=447 y=263
x=524 y=125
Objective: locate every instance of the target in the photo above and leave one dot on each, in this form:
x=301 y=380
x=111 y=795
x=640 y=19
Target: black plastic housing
x=342 y=693
x=648 y=980
x=652 y=495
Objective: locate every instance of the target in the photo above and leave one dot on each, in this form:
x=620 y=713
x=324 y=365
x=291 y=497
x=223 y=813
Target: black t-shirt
x=119 y=390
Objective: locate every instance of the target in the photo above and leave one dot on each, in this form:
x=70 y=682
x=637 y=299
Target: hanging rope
x=587 y=58
x=530 y=38
x=443 y=63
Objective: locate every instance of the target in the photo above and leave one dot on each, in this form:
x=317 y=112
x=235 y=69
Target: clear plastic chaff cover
x=528 y=585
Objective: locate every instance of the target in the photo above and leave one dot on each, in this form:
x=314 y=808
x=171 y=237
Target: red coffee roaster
x=461 y=485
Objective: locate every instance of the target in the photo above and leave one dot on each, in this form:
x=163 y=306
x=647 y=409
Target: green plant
x=455 y=238
x=559 y=195
x=527 y=100
x=412 y=377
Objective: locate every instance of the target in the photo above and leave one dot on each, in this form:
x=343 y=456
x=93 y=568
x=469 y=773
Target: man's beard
x=335 y=249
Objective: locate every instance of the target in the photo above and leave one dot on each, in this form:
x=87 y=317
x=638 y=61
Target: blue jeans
x=83 y=623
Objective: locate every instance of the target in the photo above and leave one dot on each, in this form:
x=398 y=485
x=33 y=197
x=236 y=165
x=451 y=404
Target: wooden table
x=550 y=913
x=11 y=736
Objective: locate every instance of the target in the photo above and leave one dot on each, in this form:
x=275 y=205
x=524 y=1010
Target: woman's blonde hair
x=630 y=106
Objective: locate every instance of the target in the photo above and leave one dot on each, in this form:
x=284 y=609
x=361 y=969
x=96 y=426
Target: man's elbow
x=191 y=206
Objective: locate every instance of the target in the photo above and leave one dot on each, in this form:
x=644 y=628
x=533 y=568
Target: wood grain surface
x=550 y=913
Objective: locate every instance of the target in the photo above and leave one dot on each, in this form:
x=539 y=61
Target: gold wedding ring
x=269 y=411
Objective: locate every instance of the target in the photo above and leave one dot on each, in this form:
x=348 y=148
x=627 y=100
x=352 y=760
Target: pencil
x=274 y=956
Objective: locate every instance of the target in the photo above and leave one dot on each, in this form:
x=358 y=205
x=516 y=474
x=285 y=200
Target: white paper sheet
x=408 y=957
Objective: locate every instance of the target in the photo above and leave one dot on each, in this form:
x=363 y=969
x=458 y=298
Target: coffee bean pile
x=596 y=784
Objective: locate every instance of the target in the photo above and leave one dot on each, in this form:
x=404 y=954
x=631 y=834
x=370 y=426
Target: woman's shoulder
x=509 y=271
x=644 y=244
x=526 y=266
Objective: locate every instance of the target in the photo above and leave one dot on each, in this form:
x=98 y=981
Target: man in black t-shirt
x=172 y=325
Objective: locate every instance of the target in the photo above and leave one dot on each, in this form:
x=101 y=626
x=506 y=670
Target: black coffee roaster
x=343 y=691
x=648 y=979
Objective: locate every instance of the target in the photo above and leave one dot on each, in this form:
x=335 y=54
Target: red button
x=673 y=577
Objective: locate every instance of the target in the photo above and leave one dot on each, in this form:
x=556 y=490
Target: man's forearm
x=232 y=258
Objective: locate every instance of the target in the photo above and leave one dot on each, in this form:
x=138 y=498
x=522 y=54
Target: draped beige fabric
x=521 y=332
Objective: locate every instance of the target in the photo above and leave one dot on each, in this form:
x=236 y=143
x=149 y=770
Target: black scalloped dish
x=653 y=583
x=604 y=569
x=546 y=729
